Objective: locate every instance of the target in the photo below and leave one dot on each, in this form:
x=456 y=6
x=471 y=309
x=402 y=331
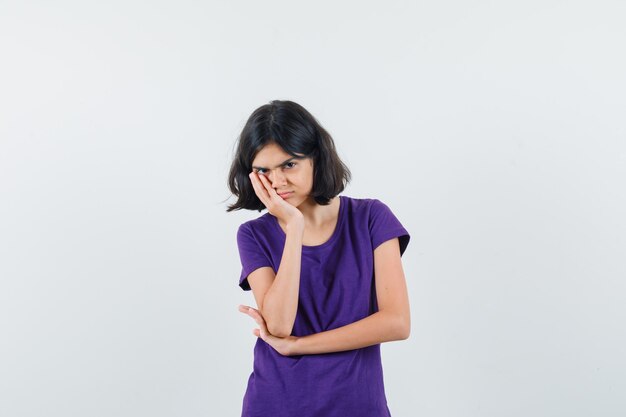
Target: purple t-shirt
x=336 y=288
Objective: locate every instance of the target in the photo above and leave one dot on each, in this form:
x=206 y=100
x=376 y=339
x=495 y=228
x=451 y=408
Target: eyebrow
x=286 y=162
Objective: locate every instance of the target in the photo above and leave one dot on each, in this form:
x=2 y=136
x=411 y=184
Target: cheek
x=305 y=179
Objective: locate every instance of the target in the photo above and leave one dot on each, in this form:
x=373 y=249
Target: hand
x=275 y=204
x=283 y=345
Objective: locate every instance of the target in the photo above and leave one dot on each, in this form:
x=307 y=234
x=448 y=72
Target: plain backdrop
x=493 y=130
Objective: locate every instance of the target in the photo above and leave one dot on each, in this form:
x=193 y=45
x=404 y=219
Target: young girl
x=325 y=271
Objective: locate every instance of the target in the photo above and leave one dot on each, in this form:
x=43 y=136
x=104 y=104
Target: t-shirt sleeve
x=251 y=254
x=384 y=225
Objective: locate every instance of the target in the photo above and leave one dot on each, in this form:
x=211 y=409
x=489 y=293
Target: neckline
x=331 y=239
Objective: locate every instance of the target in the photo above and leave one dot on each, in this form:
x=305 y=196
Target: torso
x=318 y=236
x=336 y=287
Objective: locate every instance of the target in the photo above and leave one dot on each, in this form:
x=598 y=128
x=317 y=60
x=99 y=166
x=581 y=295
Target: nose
x=277 y=179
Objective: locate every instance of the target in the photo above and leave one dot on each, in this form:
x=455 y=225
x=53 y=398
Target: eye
x=291 y=163
x=259 y=171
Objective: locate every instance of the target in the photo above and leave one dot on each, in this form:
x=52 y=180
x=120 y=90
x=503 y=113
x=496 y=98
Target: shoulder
x=370 y=213
x=373 y=216
x=252 y=228
x=365 y=206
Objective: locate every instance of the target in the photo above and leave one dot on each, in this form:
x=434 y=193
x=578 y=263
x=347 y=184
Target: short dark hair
x=294 y=129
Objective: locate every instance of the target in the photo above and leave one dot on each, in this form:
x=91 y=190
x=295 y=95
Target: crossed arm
x=391 y=322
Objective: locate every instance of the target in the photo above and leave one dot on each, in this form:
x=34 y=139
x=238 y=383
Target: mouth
x=285 y=195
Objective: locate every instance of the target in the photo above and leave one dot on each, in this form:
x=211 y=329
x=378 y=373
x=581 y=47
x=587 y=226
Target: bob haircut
x=297 y=132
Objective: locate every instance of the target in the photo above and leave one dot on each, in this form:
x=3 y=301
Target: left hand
x=283 y=345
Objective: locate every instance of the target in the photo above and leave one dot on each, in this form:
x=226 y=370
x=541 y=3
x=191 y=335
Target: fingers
x=245 y=309
x=262 y=187
x=266 y=183
x=259 y=188
x=262 y=331
x=256 y=316
x=252 y=313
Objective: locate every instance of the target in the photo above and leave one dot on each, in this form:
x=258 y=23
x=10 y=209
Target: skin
x=391 y=322
x=298 y=209
x=269 y=176
x=283 y=345
x=266 y=188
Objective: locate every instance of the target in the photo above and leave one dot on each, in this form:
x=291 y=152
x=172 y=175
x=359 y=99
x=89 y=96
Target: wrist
x=297 y=347
x=295 y=226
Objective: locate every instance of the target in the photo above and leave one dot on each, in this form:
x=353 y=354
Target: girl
x=324 y=269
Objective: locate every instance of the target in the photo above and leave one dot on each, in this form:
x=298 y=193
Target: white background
x=493 y=130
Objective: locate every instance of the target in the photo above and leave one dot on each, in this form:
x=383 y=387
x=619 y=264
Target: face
x=285 y=172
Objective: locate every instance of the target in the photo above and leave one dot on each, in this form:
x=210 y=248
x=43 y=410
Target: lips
x=285 y=194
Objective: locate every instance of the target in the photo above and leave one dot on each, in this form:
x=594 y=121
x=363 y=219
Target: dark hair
x=294 y=129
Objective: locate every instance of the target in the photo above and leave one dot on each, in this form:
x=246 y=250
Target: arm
x=279 y=305
x=377 y=328
x=391 y=322
x=277 y=294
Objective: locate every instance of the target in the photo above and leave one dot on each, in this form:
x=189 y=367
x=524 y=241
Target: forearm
x=379 y=327
x=280 y=303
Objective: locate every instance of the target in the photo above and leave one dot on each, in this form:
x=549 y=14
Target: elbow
x=277 y=328
x=399 y=326
x=277 y=331
x=280 y=334
x=404 y=328
x=405 y=333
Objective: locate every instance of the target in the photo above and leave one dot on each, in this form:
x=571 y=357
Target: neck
x=316 y=215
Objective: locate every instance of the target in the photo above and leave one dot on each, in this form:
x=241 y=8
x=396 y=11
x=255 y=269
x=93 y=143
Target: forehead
x=271 y=154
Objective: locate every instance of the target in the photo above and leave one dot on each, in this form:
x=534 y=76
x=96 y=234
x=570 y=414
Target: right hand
x=283 y=345
x=275 y=204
